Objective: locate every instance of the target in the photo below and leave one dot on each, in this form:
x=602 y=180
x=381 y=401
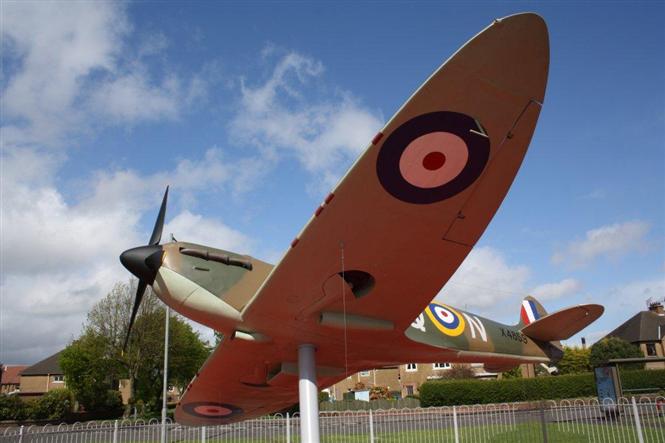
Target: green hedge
x=466 y=392
x=56 y=405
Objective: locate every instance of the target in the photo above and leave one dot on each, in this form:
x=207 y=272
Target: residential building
x=647 y=330
x=42 y=377
x=10 y=379
x=403 y=379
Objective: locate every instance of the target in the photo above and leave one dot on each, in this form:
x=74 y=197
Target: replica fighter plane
x=382 y=244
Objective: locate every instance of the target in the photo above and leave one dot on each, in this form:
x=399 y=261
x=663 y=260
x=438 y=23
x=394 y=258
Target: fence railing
x=634 y=420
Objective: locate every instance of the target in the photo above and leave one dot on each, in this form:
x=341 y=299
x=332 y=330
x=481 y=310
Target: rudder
x=530 y=311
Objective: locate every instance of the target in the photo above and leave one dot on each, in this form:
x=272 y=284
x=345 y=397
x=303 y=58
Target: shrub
x=55 y=405
x=614 y=347
x=460 y=392
x=13 y=408
x=575 y=361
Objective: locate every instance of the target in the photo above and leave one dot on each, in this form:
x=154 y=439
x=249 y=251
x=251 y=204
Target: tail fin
x=537 y=324
x=530 y=312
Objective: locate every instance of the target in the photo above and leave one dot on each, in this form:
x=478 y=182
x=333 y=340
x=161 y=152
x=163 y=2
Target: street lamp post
x=165 y=381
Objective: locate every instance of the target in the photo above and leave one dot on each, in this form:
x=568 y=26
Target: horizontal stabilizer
x=563 y=324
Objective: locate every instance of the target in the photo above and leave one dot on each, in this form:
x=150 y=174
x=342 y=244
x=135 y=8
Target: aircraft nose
x=143 y=262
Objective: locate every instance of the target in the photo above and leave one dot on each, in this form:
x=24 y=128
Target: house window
x=409 y=389
x=364 y=373
x=437 y=366
x=58 y=378
x=651 y=349
x=411 y=367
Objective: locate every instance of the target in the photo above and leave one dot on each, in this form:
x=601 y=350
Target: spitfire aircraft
x=380 y=246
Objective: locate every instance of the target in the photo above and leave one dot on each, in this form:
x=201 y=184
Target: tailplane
x=537 y=324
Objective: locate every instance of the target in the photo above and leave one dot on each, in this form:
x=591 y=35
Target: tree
x=614 y=347
x=90 y=370
x=95 y=362
x=574 y=361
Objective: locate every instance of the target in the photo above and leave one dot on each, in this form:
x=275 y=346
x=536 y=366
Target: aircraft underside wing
x=393 y=231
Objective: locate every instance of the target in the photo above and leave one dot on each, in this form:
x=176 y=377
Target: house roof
x=11 y=374
x=50 y=365
x=641 y=327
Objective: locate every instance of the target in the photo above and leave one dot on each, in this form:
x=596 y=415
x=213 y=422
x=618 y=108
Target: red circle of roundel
x=432 y=157
x=211 y=410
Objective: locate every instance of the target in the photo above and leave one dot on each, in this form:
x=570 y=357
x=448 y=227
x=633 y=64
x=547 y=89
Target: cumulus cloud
x=195 y=228
x=551 y=291
x=613 y=241
x=278 y=118
x=488 y=284
x=70 y=66
x=58 y=257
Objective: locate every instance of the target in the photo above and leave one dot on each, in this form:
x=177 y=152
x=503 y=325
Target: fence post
x=115 y=431
x=638 y=424
x=203 y=434
x=20 y=434
x=543 y=422
x=371 y=427
x=288 y=428
x=455 y=426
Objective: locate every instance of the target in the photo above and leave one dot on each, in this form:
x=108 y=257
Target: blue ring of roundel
x=462 y=125
x=452 y=328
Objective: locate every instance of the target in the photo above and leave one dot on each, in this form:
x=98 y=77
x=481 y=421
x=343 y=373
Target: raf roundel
x=446 y=319
x=211 y=410
x=432 y=157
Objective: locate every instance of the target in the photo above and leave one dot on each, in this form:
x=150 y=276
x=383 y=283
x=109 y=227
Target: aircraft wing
x=395 y=228
x=242 y=379
x=411 y=208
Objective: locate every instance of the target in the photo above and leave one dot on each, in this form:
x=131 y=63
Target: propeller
x=144 y=262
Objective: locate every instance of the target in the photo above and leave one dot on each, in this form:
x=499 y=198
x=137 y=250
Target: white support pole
x=115 y=431
x=455 y=425
x=638 y=424
x=165 y=380
x=371 y=427
x=203 y=434
x=308 y=394
x=288 y=428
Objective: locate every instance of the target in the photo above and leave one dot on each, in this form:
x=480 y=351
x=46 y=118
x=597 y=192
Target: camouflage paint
x=446 y=327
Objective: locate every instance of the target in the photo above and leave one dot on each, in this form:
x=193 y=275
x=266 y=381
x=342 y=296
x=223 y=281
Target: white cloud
x=71 y=68
x=59 y=257
x=551 y=291
x=324 y=135
x=195 y=228
x=487 y=284
x=486 y=280
x=627 y=299
x=613 y=241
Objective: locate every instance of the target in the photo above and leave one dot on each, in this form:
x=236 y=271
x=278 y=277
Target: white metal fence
x=634 y=420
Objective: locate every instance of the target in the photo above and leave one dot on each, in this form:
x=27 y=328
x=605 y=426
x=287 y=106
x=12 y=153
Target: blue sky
x=253 y=110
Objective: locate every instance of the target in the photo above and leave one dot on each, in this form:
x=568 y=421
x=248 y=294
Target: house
x=42 y=377
x=403 y=379
x=645 y=329
x=10 y=379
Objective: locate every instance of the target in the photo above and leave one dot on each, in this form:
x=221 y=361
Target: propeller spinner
x=144 y=262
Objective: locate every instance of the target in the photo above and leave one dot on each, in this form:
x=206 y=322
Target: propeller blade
x=156 y=236
x=137 y=302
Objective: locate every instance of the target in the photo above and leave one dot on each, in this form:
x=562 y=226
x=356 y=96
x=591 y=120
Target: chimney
x=657 y=307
